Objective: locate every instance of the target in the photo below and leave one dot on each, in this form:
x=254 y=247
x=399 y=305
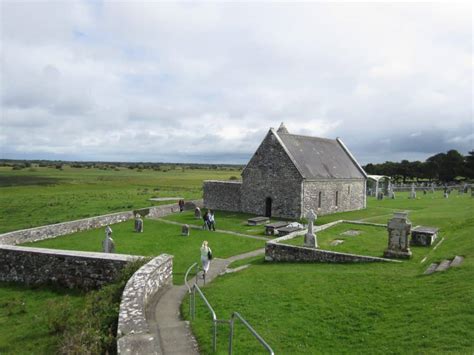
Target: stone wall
x=133 y=333
x=271 y=173
x=59 y=229
x=350 y=195
x=72 y=269
x=222 y=195
x=283 y=252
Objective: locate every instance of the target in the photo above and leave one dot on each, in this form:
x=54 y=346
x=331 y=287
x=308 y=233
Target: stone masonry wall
x=72 y=269
x=351 y=195
x=271 y=173
x=133 y=333
x=222 y=195
x=59 y=229
x=283 y=252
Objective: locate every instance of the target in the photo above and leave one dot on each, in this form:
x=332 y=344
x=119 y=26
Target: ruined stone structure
x=291 y=174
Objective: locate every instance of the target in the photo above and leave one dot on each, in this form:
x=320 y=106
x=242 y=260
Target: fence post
x=231 y=333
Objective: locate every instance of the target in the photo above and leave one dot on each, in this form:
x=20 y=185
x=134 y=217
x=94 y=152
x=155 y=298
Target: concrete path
x=163 y=315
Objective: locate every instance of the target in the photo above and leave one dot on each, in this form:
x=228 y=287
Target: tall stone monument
x=398 y=228
x=108 y=245
x=310 y=239
x=413 y=192
x=390 y=193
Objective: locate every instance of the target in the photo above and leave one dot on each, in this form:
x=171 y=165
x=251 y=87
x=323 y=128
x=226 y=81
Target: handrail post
x=231 y=333
x=193 y=302
x=214 y=340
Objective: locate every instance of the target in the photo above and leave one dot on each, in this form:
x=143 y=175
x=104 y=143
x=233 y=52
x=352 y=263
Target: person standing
x=181 y=205
x=206 y=256
x=205 y=218
x=211 y=221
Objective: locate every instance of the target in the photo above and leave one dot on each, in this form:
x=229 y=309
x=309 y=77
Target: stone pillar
x=310 y=239
x=398 y=228
x=108 y=245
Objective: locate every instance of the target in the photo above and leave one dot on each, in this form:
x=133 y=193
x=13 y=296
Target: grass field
x=359 y=308
x=25 y=320
x=157 y=238
x=40 y=196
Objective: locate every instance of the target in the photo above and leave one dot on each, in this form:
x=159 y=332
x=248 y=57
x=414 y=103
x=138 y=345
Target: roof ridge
x=305 y=136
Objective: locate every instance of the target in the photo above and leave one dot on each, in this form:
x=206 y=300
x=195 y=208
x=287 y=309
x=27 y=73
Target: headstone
x=398 y=231
x=197 y=213
x=413 y=192
x=446 y=194
x=336 y=242
x=431 y=269
x=271 y=228
x=390 y=193
x=185 y=230
x=465 y=188
x=380 y=196
x=443 y=266
x=351 y=233
x=456 y=261
x=108 y=245
x=140 y=225
x=432 y=187
x=310 y=239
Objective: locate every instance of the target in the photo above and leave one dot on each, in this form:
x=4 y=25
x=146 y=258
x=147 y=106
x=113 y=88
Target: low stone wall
x=72 y=269
x=222 y=195
x=283 y=252
x=133 y=333
x=59 y=229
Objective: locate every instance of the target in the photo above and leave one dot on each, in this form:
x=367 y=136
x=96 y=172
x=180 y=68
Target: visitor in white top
x=206 y=256
x=211 y=221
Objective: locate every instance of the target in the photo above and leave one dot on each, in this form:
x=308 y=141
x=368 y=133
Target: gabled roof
x=320 y=158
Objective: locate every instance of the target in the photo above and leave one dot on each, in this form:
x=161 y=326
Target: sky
x=204 y=82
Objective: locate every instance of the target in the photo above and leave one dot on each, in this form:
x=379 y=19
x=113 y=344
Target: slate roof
x=321 y=158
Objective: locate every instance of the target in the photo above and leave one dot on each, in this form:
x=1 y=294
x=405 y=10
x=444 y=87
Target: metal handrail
x=186 y=276
x=214 y=317
x=249 y=327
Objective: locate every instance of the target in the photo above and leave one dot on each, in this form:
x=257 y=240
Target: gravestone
x=108 y=245
x=380 y=196
x=398 y=232
x=351 y=233
x=197 y=213
x=423 y=236
x=446 y=194
x=390 y=193
x=336 y=242
x=413 y=192
x=185 y=230
x=310 y=239
x=465 y=188
x=432 y=187
x=138 y=223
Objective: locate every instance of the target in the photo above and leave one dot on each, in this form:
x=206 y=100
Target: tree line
x=442 y=167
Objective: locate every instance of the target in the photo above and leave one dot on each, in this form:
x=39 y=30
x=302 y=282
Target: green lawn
x=40 y=196
x=25 y=318
x=158 y=237
x=358 y=308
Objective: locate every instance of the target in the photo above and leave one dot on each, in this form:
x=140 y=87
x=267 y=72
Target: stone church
x=290 y=174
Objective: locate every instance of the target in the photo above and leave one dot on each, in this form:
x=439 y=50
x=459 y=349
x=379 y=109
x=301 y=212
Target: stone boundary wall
x=222 y=195
x=284 y=252
x=133 y=333
x=64 y=228
x=72 y=269
x=276 y=251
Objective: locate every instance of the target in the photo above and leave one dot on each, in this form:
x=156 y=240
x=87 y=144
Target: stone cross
x=310 y=239
x=398 y=228
x=197 y=213
x=108 y=245
x=413 y=192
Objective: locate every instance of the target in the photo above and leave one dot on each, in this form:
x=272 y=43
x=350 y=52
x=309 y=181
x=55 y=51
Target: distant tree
x=469 y=165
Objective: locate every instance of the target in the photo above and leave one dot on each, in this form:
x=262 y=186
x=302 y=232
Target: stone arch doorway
x=268 y=207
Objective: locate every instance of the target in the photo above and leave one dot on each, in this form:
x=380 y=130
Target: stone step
x=431 y=269
x=456 y=261
x=443 y=266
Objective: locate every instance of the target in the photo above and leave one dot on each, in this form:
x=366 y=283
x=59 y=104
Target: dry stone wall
x=222 y=195
x=72 y=269
x=350 y=196
x=283 y=252
x=133 y=332
x=271 y=173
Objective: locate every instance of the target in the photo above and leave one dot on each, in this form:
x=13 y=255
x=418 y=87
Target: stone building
x=291 y=174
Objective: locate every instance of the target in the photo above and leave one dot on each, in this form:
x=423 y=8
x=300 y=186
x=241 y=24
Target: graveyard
x=296 y=307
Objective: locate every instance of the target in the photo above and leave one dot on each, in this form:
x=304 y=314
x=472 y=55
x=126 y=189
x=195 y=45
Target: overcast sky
x=186 y=82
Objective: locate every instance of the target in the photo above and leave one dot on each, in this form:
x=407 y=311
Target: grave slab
x=257 y=221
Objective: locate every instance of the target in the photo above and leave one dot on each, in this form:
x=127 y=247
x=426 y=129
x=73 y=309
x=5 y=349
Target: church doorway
x=268 y=207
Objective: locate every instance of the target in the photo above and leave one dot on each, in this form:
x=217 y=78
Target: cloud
x=162 y=81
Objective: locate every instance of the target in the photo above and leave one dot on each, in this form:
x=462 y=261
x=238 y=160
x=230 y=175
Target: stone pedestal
x=398 y=228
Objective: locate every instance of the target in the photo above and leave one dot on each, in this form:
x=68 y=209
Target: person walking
x=206 y=257
x=211 y=221
x=205 y=218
